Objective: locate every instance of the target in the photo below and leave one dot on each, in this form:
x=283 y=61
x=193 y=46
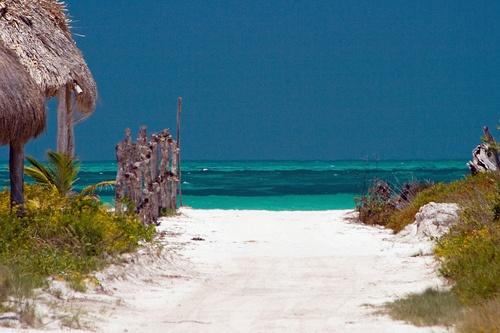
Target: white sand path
x=262 y=271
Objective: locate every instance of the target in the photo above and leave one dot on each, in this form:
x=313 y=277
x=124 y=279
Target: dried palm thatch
x=22 y=104
x=38 y=32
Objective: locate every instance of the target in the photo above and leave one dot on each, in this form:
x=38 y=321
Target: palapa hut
x=22 y=116
x=38 y=32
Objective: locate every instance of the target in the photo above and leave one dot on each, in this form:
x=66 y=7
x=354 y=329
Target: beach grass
x=64 y=237
x=483 y=318
x=443 y=308
x=430 y=308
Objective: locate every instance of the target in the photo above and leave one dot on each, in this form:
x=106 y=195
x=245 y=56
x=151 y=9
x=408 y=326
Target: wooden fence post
x=149 y=183
x=179 y=111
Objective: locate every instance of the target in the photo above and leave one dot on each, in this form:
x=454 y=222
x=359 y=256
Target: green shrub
x=470 y=254
x=482 y=187
x=65 y=237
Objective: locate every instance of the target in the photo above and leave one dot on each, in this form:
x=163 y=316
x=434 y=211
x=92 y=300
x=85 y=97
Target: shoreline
x=259 y=271
x=187 y=208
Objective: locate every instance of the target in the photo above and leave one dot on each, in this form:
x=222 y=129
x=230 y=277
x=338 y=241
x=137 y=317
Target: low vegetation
x=60 y=234
x=443 y=308
x=482 y=318
x=430 y=308
x=469 y=254
x=60 y=174
x=463 y=192
x=383 y=200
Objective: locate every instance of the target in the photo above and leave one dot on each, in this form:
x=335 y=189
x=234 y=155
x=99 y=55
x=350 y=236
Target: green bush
x=482 y=187
x=65 y=237
x=470 y=253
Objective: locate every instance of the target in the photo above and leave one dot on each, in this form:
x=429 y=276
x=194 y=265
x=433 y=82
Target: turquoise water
x=280 y=185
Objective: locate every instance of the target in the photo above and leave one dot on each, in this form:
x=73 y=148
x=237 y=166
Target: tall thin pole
x=62 y=121
x=65 y=130
x=70 y=127
x=179 y=173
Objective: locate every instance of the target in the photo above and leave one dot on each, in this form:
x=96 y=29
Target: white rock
x=433 y=220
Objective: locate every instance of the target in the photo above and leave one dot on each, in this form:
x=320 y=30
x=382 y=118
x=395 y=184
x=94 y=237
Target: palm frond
x=40 y=173
x=101 y=185
x=61 y=171
x=65 y=169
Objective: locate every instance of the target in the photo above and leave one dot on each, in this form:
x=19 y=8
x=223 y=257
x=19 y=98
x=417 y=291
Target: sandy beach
x=261 y=271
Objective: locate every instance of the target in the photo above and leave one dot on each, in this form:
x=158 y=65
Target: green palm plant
x=60 y=173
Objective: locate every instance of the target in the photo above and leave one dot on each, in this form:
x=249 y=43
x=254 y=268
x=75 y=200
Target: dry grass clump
x=484 y=318
x=430 y=308
x=443 y=308
x=382 y=201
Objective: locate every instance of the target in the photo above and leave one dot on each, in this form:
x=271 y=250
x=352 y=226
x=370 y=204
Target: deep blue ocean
x=280 y=185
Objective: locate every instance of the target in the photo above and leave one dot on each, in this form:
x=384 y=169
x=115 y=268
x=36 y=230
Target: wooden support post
x=70 y=145
x=16 y=168
x=65 y=132
x=62 y=123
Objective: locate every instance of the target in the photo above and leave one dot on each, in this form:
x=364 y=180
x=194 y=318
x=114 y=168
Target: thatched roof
x=38 y=32
x=22 y=104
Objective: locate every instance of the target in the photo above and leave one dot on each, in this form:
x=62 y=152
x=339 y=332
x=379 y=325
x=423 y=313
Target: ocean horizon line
x=465 y=159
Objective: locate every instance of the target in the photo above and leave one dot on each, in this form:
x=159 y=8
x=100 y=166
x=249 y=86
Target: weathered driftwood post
x=123 y=170
x=492 y=145
x=179 y=111
x=174 y=175
x=485 y=156
x=147 y=174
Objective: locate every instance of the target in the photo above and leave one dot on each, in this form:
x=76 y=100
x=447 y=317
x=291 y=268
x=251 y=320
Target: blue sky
x=291 y=79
